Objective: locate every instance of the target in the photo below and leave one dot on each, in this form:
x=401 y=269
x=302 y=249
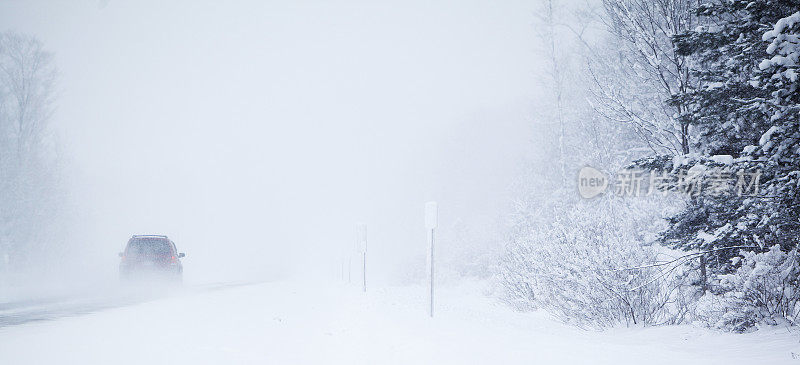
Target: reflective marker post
x=431 y=222
x=361 y=245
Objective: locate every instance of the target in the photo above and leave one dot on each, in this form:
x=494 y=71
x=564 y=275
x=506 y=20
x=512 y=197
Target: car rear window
x=149 y=247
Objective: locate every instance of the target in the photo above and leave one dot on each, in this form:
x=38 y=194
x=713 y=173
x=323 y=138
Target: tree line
x=695 y=90
x=32 y=190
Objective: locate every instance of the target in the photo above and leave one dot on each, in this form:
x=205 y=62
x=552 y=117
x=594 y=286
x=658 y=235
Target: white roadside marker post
x=431 y=222
x=361 y=241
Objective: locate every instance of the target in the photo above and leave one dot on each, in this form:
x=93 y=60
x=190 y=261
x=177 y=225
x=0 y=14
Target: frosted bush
x=584 y=266
x=764 y=289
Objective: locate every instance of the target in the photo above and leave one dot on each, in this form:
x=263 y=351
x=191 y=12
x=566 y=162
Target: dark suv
x=151 y=256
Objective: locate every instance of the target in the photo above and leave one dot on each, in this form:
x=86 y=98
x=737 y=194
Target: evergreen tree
x=778 y=151
x=725 y=110
x=747 y=107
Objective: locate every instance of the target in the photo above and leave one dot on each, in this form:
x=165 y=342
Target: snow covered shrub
x=764 y=289
x=588 y=264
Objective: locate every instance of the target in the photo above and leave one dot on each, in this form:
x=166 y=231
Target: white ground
x=289 y=323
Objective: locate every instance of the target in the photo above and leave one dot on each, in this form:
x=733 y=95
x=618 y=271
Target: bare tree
x=555 y=78
x=28 y=181
x=27 y=77
x=637 y=81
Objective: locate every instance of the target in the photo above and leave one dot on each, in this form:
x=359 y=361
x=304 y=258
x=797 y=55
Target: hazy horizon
x=256 y=135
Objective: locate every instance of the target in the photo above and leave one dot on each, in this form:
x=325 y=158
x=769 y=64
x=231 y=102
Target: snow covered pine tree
x=746 y=108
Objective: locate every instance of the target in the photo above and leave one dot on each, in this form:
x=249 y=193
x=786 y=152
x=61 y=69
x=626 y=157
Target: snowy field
x=293 y=323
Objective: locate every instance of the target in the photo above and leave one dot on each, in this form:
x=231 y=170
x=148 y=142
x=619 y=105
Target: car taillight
x=173 y=259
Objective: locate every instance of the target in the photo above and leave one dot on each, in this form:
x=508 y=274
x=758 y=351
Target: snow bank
x=288 y=323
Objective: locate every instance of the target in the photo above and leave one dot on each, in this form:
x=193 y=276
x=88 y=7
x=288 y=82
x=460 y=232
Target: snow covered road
x=294 y=323
x=55 y=307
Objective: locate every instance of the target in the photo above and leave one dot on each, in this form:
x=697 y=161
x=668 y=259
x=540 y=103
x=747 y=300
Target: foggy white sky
x=259 y=132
